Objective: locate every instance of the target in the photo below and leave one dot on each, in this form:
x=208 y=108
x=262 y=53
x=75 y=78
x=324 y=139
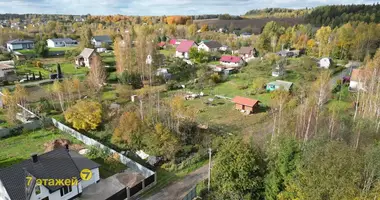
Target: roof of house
x=245 y=50
x=66 y=40
x=212 y=44
x=6 y=66
x=233 y=59
x=161 y=44
x=357 y=74
x=20 y=41
x=102 y=38
x=245 y=101
x=185 y=46
x=57 y=164
x=86 y=53
x=172 y=41
x=282 y=84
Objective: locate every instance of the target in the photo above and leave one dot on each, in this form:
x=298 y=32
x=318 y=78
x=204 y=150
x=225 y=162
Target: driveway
x=179 y=189
x=339 y=76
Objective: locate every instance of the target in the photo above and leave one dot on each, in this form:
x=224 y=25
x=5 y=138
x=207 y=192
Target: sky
x=157 y=7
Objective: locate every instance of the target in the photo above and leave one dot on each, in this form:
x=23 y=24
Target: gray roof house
x=61 y=42
x=20 y=181
x=84 y=58
x=19 y=44
x=209 y=45
x=279 y=84
x=97 y=41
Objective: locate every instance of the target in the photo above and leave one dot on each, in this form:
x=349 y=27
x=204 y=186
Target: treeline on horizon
x=331 y=15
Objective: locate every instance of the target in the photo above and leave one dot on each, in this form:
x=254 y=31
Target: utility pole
x=209 y=169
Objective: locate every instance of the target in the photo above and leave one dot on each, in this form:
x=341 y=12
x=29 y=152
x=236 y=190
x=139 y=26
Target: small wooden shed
x=245 y=104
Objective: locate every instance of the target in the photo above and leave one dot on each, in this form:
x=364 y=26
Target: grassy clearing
x=108 y=59
x=62 y=49
x=17 y=148
x=67 y=69
x=168 y=52
x=108 y=169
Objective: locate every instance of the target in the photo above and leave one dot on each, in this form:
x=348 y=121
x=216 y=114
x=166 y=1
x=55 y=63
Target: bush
x=242 y=86
x=172 y=85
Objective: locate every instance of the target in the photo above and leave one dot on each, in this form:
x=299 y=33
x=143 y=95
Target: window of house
x=46 y=198
x=65 y=190
x=37 y=190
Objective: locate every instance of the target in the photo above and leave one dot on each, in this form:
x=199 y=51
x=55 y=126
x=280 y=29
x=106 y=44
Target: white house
x=247 y=53
x=325 y=63
x=19 y=181
x=7 y=72
x=209 y=46
x=99 y=40
x=358 y=79
x=183 y=49
x=19 y=44
x=61 y=42
x=232 y=61
x=84 y=58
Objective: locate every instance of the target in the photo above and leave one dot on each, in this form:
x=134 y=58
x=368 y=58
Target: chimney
x=34 y=157
x=67 y=147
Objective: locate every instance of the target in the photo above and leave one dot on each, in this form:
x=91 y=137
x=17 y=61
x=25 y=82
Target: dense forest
x=337 y=15
x=276 y=12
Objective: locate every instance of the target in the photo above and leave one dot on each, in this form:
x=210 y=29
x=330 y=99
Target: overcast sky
x=157 y=7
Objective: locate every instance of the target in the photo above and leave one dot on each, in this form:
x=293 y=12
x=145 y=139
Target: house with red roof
x=232 y=61
x=161 y=45
x=245 y=104
x=183 y=49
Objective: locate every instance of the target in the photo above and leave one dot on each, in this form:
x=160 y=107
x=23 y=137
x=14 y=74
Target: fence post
x=128 y=192
x=143 y=184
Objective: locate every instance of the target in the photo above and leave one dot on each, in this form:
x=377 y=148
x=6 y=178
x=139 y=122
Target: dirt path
x=178 y=189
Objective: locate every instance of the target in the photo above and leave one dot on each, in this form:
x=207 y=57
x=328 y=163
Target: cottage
x=7 y=72
x=209 y=46
x=325 y=63
x=164 y=73
x=61 y=42
x=19 y=44
x=176 y=42
x=84 y=58
x=224 y=48
x=247 y=53
x=183 y=49
x=224 y=70
x=245 y=35
x=61 y=164
x=285 y=53
x=100 y=40
x=232 y=61
x=279 y=85
x=245 y=104
x=358 y=79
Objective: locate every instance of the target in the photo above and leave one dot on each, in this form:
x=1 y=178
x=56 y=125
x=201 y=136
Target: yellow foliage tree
x=128 y=130
x=85 y=115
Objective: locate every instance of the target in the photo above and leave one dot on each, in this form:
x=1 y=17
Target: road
x=181 y=187
x=339 y=76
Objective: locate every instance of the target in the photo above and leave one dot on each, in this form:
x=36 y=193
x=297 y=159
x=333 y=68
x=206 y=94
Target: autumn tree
x=242 y=177
x=98 y=75
x=85 y=38
x=128 y=130
x=162 y=142
x=84 y=115
x=58 y=90
x=323 y=38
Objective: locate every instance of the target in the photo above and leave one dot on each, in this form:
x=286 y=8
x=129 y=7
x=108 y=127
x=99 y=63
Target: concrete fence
x=37 y=124
x=89 y=141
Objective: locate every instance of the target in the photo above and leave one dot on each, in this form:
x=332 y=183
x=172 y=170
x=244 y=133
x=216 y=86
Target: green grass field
x=67 y=69
x=168 y=52
x=17 y=148
x=62 y=49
